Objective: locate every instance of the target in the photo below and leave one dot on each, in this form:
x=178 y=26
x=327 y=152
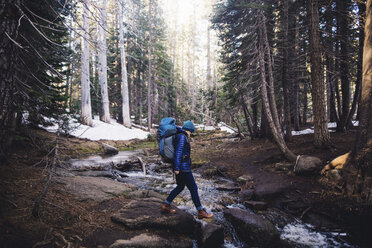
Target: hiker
x=182 y=170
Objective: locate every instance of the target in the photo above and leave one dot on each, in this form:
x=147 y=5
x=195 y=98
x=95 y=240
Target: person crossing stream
x=182 y=169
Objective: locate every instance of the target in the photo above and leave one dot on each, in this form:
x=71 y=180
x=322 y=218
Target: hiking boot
x=166 y=208
x=203 y=214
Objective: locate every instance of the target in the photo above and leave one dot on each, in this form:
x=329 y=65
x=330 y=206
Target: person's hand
x=176 y=172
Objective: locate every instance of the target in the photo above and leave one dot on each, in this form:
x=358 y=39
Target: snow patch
x=101 y=130
x=212 y=128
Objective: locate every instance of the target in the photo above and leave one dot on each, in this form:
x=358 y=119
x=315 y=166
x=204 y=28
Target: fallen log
x=140 y=127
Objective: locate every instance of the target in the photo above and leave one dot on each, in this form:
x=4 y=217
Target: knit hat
x=187 y=125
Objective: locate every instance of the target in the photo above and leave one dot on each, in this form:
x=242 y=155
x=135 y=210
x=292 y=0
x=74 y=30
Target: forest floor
x=63 y=218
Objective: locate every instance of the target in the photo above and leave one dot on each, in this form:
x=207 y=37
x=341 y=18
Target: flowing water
x=215 y=195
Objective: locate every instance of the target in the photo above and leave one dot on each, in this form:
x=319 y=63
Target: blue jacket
x=182 y=160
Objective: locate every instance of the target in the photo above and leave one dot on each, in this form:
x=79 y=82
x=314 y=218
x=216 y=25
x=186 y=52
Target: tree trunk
x=102 y=58
x=358 y=82
x=285 y=77
x=333 y=90
x=140 y=99
x=248 y=120
x=124 y=75
x=255 y=117
x=156 y=104
x=321 y=135
x=361 y=155
x=294 y=64
x=304 y=103
x=149 y=87
x=86 y=108
x=342 y=30
x=328 y=44
x=209 y=74
x=274 y=109
x=266 y=105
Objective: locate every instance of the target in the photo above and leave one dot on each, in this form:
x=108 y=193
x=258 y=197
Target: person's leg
x=193 y=188
x=180 y=186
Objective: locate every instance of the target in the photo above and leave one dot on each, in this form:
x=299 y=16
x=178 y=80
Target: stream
x=215 y=194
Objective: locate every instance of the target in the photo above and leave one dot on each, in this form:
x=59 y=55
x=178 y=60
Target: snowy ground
x=101 y=130
x=115 y=131
x=211 y=128
x=311 y=130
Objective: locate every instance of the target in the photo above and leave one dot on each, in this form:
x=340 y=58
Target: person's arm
x=181 y=140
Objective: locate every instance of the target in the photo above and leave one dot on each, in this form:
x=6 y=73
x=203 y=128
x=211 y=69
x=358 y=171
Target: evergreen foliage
x=34 y=59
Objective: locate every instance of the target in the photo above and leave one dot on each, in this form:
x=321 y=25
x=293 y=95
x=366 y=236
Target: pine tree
x=124 y=75
x=102 y=62
x=33 y=61
x=321 y=135
x=86 y=108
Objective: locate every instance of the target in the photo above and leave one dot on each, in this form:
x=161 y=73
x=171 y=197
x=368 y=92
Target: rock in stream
x=145 y=214
x=252 y=228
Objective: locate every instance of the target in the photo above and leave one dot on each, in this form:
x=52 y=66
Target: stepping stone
x=146 y=213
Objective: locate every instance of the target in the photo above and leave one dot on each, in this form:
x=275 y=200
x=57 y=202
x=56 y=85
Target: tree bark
x=342 y=30
x=361 y=155
x=285 y=76
x=321 y=135
x=149 y=86
x=358 y=82
x=265 y=100
x=102 y=58
x=294 y=64
x=124 y=75
x=304 y=103
x=274 y=109
x=86 y=108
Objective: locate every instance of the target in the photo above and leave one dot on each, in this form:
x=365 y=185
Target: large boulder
x=145 y=213
x=93 y=188
x=307 y=165
x=210 y=235
x=152 y=241
x=252 y=228
x=108 y=149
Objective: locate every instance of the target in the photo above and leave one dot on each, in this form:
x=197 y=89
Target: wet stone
x=256 y=205
x=210 y=235
x=252 y=228
x=146 y=214
x=153 y=241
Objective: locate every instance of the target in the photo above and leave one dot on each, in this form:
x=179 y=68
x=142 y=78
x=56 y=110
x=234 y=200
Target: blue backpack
x=166 y=137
